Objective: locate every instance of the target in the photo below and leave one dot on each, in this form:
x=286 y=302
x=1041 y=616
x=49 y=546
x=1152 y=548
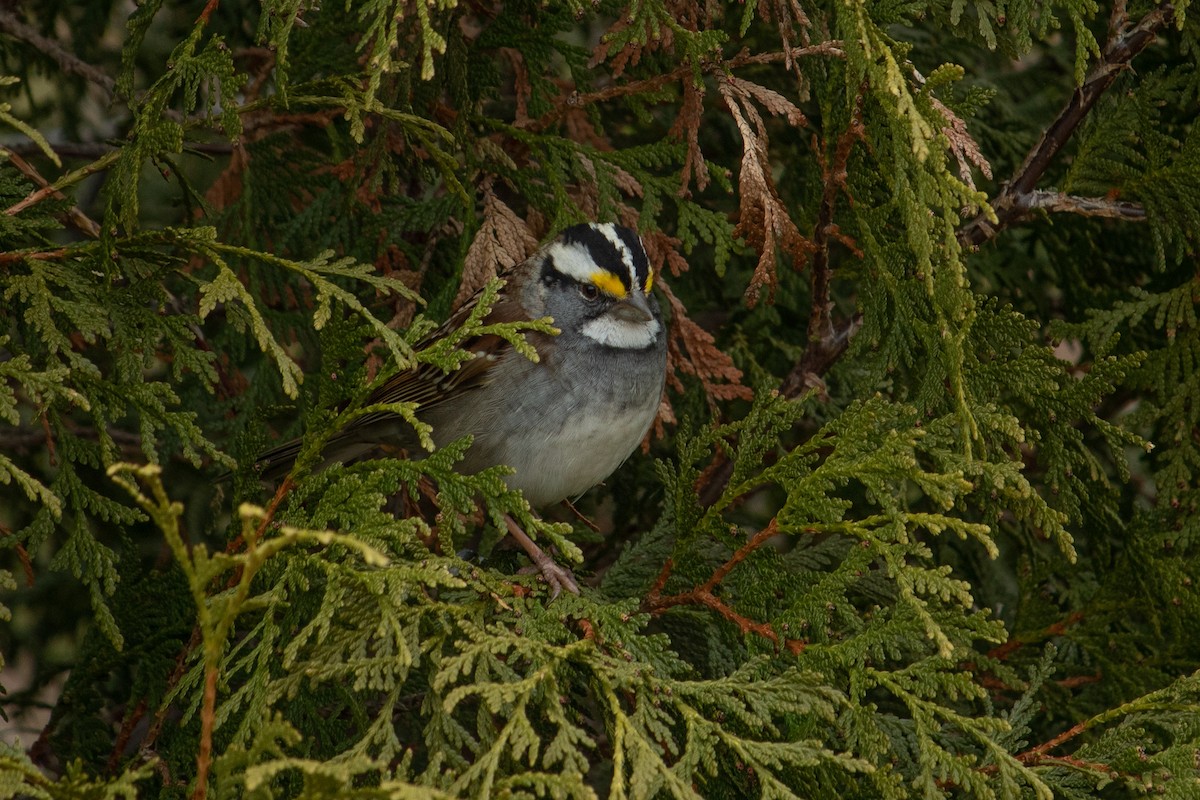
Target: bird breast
x=561 y=437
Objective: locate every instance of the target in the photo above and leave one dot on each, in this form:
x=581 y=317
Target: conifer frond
x=971 y=442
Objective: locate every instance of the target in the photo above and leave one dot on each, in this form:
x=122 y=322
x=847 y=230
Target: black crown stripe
x=641 y=264
x=601 y=249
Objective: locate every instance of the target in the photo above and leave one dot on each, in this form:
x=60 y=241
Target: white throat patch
x=621 y=334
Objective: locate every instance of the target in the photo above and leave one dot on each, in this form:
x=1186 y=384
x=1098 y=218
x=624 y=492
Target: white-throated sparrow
x=565 y=422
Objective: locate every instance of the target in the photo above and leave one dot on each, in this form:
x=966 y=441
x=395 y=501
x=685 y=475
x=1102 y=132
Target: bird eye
x=589 y=291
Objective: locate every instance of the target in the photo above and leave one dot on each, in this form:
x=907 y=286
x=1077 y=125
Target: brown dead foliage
x=656 y=35
x=691 y=350
x=502 y=240
x=790 y=18
x=763 y=220
x=687 y=128
x=963 y=147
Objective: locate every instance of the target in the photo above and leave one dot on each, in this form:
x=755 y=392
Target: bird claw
x=556 y=576
x=553 y=574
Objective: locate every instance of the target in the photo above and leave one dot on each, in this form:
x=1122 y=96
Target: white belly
x=575 y=459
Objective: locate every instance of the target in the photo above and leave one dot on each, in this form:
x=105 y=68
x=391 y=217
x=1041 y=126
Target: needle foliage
x=918 y=517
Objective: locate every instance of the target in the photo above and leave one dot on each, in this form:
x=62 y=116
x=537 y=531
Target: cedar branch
x=827 y=340
x=100 y=164
x=81 y=220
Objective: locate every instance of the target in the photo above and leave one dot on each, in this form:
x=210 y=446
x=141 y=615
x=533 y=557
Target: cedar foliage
x=919 y=515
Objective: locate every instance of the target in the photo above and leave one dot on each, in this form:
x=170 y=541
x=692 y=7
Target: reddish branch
x=22 y=555
x=1018 y=198
x=825 y=342
x=49 y=190
x=655 y=603
x=208 y=715
x=1034 y=759
x=269 y=516
x=208 y=11
x=1037 y=755
x=44 y=255
x=1057 y=629
x=160 y=716
x=74 y=214
x=132 y=717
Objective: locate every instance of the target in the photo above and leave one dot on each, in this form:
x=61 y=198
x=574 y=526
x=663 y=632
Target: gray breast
x=562 y=435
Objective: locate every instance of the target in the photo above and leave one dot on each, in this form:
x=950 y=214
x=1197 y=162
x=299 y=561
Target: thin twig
x=68 y=61
x=33 y=255
x=133 y=716
x=576 y=100
x=70 y=178
x=207 y=13
x=93 y=150
x=1083 y=206
x=1124 y=44
x=268 y=517
x=75 y=214
x=22 y=555
x=826 y=343
x=1059 y=628
x=19 y=439
x=180 y=669
x=827 y=340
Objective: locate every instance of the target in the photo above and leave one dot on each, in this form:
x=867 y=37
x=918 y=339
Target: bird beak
x=633 y=309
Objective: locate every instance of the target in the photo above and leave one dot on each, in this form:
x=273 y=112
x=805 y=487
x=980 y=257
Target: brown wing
x=425 y=384
x=428 y=385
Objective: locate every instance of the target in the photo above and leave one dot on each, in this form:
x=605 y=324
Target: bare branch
x=1124 y=43
x=1083 y=206
x=575 y=99
x=826 y=343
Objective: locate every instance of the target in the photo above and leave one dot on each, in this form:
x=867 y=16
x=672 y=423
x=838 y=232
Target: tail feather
x=277 y=462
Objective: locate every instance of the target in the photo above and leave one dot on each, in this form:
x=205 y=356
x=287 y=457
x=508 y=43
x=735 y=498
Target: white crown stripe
x=610 y=232
x=573 y=261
